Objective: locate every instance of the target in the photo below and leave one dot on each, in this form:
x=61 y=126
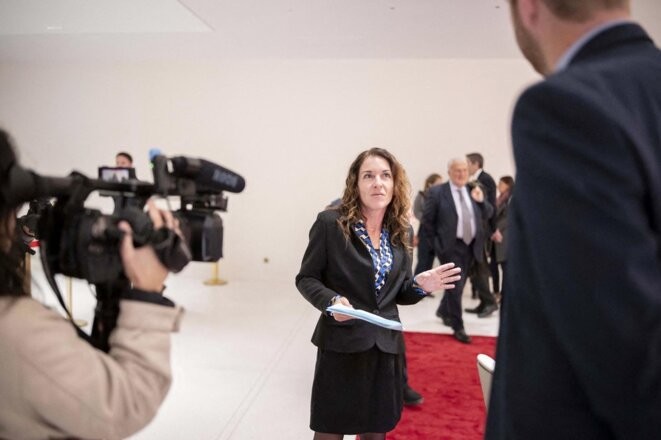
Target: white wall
x=291 y=128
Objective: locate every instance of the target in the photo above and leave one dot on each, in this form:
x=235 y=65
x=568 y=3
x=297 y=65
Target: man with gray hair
x=579 y=348
x=453 y=222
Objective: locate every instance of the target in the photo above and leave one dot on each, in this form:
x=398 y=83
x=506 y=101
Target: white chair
x=485 y=367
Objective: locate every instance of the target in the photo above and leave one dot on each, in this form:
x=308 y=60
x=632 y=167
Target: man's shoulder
x=606 y=74
x=485 y=177
x=602 y=87
x=438 y=189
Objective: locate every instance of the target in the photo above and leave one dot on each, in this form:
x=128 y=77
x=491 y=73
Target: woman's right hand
x=339 y=316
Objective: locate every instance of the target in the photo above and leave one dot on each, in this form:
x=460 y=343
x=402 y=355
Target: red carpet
x=444 y=371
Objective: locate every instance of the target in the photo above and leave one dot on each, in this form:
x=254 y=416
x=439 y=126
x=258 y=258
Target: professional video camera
x=84 y=243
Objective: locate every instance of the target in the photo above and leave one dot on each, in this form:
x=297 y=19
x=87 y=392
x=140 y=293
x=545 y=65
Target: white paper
x=365 y=316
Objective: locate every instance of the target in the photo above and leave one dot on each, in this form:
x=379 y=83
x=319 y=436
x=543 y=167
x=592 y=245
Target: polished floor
x=243 y=361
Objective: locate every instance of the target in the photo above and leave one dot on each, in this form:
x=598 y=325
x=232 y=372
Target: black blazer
x=489 y=187
x=334 y=266
x=439 y=221
x=579 y=347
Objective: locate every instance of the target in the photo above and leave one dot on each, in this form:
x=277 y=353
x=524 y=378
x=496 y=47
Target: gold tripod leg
x=78 y=322
x=214 y=280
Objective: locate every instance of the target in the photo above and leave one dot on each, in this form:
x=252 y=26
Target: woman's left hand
x=441 y=277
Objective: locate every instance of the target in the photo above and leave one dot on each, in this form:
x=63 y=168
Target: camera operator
x=53 y=383
x=124 y=160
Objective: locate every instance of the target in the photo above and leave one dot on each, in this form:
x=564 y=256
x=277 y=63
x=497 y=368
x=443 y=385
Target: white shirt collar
x=455 y=187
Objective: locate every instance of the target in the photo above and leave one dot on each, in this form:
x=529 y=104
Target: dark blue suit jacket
x=489 y=188
x=334 y=266
x=439 y=220
x=579 y=349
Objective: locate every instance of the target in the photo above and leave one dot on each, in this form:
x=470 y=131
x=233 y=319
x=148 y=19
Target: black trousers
x=461 y=255
x=480 y=280
x=495 y=271
x=503 y=266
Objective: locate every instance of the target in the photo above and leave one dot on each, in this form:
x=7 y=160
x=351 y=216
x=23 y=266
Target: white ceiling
x=170 y=30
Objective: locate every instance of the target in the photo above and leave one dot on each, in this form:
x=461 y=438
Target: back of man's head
x=476 y=158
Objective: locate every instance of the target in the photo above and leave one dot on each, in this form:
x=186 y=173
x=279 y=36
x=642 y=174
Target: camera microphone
x=207 y=175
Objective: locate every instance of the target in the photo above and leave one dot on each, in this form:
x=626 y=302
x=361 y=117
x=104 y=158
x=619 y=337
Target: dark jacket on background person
x=440 y=222
x=489 y=188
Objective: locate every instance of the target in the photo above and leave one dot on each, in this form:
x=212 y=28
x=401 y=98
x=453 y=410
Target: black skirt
x=355 y=393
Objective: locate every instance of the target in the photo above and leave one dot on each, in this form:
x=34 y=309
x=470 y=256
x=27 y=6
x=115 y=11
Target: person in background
x=453 y=222
x=123 y=160
x=479 y=272
x=425 y=248
x=419 y=202
x=499 y=236
x=579 y=345
x=53 y=383
x=358 y=257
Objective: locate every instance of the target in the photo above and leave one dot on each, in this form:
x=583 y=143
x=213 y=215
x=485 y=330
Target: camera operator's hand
x=141 y=265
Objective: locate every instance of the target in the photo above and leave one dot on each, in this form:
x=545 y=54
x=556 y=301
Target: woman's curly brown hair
x=396 y=219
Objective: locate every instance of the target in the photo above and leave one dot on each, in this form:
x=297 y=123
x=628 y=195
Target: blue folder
x=365 y=316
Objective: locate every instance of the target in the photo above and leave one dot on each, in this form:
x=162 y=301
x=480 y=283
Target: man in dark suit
x=479 y=273
x=453 y=222
x=579 y=349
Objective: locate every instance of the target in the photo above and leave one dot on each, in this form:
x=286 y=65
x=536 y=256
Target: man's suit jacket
x=579 y=348
x=334 y=266
x=439 y=220
x=489 y=188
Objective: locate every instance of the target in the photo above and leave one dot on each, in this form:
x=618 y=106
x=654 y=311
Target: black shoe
x=461 y=336
x=477 y=309
x=488 y=310
x=411 y=396
x=446 y=320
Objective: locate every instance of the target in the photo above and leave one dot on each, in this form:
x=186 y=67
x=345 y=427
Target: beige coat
x=54 y=384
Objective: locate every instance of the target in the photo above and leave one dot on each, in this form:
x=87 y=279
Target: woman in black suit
x=358 y=256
